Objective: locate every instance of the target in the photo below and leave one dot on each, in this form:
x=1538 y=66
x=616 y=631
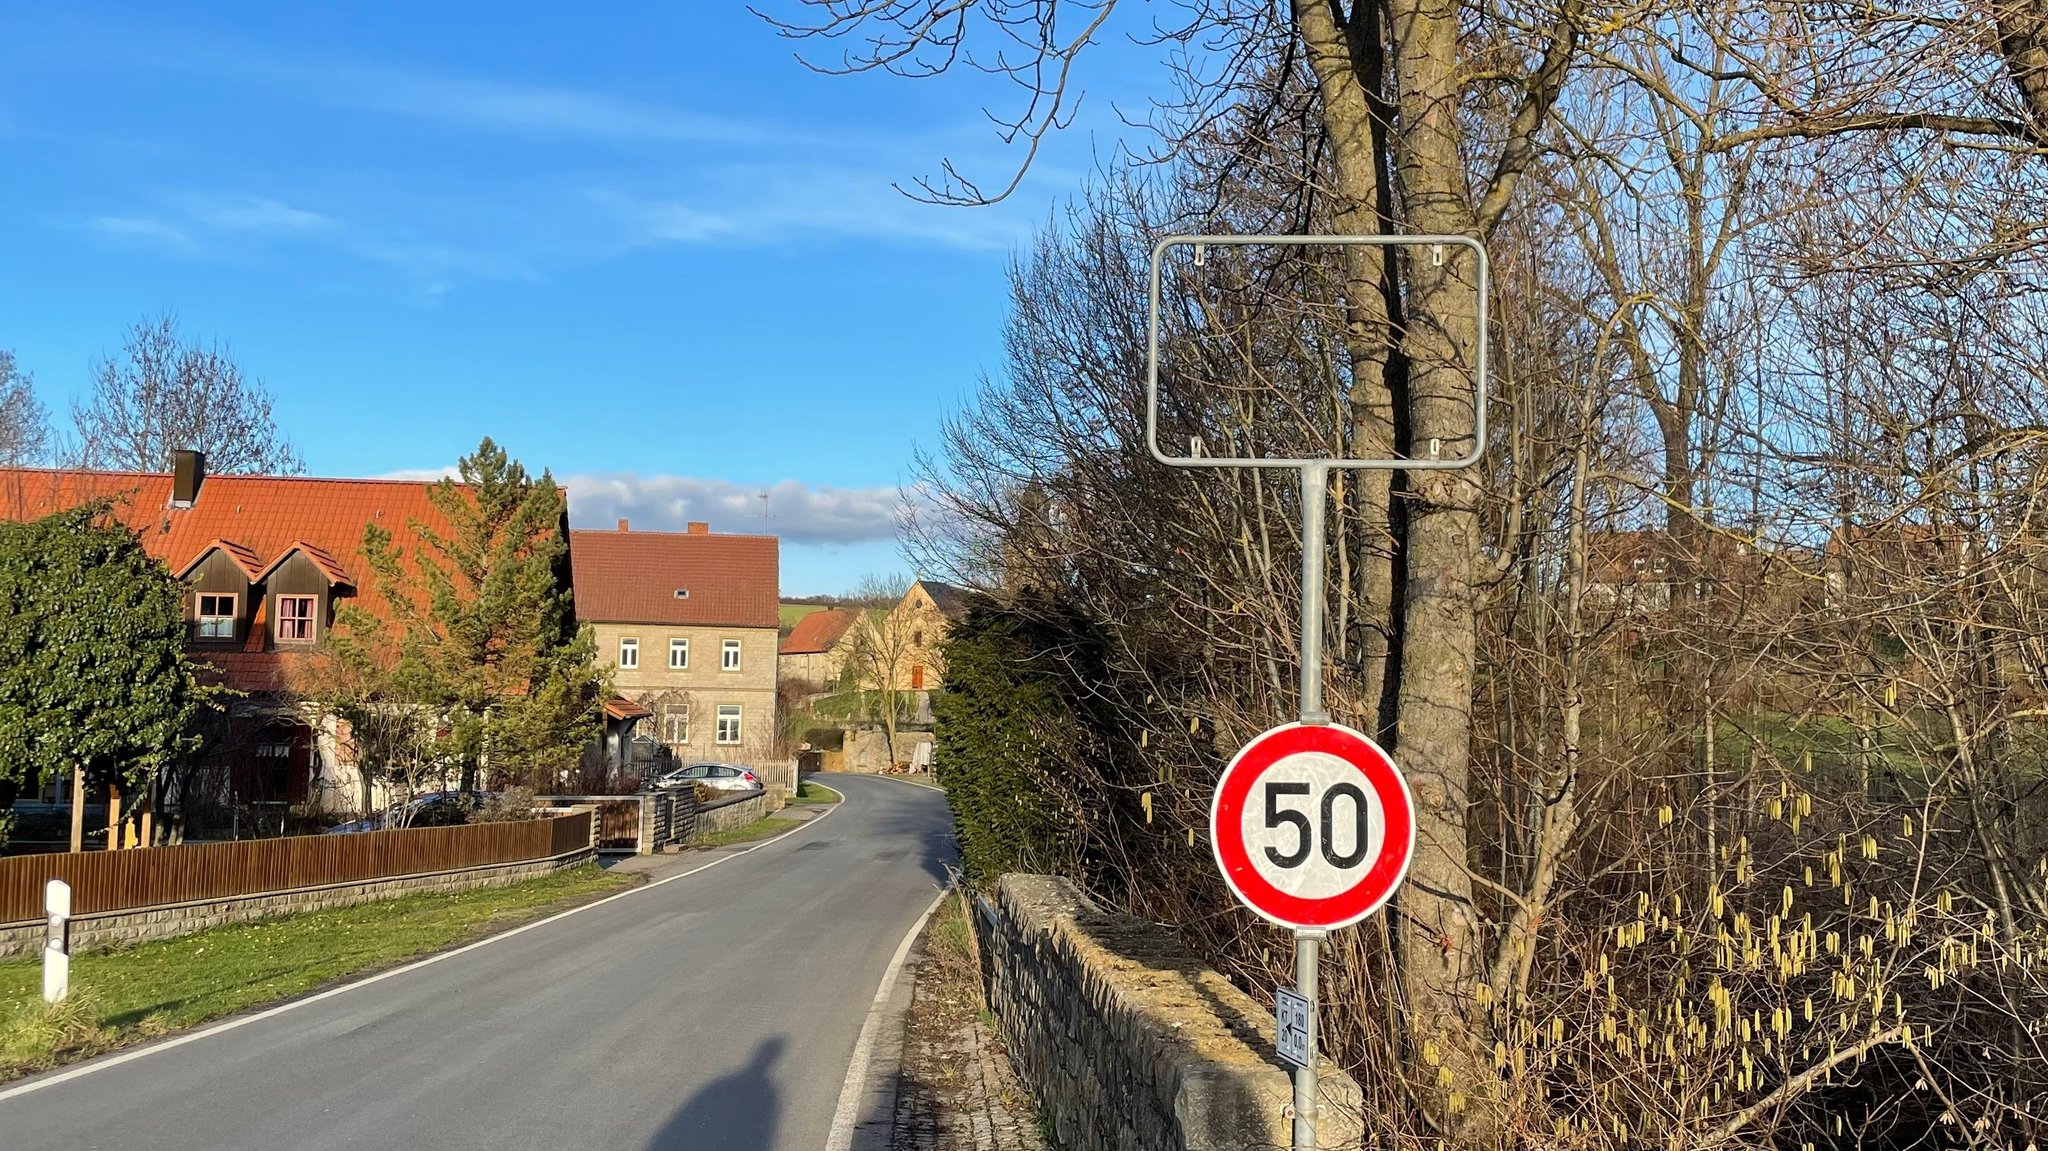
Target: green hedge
x=1006 y=732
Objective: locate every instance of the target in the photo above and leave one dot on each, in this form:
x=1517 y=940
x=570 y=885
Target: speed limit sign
x=1313 y=826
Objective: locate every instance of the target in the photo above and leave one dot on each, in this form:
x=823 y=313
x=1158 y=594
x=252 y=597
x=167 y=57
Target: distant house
x=1633 y=572
x=689 y=621
x=816 y=650
x=267 y=561
x=907 y=644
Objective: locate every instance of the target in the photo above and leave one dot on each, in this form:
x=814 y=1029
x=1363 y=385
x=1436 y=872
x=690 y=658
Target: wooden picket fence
x=103 y=881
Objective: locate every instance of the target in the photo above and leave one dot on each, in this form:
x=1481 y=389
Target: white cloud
x=143 y=228
x=797 y=512
x=420 y=475
x=526 y=107
x=773 y=204
x=239 y=213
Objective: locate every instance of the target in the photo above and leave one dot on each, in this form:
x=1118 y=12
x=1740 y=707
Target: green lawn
x=137 y=993
x=792 y=612
x=813 y=792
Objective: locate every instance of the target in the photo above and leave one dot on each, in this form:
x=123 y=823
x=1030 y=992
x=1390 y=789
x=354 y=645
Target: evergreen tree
x=482 y=628
x=93 y=669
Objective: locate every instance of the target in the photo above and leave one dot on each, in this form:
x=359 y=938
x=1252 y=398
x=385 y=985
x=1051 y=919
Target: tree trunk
x=1440 y=960
x=1355 y=124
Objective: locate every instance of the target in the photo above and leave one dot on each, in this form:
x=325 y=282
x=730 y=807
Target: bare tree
x=24 y=422
x=163 y=393
x=880 y=647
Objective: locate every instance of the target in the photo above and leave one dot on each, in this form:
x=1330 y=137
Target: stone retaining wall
x=725 y=814
x=123 y=927
x=1131 y=1043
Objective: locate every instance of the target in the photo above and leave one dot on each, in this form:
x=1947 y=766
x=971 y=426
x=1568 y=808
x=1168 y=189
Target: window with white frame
x=679 y=654
x=728 y=723
x=216 y=615
x=730 y=660
x=295 y=618
x=629 y=653
x=675 y=725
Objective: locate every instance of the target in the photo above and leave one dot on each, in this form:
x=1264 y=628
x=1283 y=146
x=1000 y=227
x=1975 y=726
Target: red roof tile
x=257 y=519
x=697 y=580
x=818 y=631
x=619 y=707
x=328 y=565
x=243 y=558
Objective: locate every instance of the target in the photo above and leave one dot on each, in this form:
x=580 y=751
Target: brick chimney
x=696 y=528
x=622 y=525
x=188 y=471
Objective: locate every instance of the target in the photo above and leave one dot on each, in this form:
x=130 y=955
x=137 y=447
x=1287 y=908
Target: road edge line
x=839 y=1137
x=51 y=1079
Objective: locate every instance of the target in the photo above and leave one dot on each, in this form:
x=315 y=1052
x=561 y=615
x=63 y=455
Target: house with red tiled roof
x=689 y=621
x=267 y=561
x=816 y=650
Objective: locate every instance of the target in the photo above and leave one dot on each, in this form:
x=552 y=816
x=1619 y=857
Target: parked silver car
x=723 y=776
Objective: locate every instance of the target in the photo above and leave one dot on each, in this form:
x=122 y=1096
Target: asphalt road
x=715 y=1011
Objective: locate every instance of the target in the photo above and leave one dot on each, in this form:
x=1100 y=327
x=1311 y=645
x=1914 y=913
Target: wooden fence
x=103 y=881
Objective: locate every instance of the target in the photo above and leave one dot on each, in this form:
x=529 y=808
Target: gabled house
x=907 y=644
x=690 y=623
x=816 y=650
x=267 y=561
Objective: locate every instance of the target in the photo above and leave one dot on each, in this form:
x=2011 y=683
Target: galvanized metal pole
x=1307 y=950
x=1315 y=495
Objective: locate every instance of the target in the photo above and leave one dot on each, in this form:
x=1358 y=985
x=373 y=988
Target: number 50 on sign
x=1312 y=826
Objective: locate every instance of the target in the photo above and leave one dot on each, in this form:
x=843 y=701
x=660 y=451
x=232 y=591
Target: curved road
x=717 y=1010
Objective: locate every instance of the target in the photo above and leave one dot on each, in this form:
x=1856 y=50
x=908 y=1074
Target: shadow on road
x=739 y=1111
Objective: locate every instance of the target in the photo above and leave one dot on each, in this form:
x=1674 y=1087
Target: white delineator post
x=57 y=948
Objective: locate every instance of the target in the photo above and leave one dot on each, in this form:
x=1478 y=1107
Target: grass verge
x=763 y=828
x=142 y=992
x=810 y=791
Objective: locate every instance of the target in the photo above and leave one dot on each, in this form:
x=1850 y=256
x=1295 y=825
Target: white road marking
x=133 y=1054
x=845 y=1117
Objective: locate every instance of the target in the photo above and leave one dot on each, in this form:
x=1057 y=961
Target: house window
x=295 y=618
x=679 y=654
x=216 y=616
x=731 y=658
x=675 y=726
x=629 y=653
x=728 y=723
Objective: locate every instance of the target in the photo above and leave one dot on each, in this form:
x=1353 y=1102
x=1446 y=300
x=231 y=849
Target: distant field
x=792 y=612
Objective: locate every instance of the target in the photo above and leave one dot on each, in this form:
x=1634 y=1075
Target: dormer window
x=295 y=618
x=216 y=616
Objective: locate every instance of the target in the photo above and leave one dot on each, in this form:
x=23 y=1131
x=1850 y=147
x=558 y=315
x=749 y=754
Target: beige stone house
x=816 y=650
x=908 y=642
x=689 y=622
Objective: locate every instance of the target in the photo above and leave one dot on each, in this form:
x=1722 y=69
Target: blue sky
x=640 y=245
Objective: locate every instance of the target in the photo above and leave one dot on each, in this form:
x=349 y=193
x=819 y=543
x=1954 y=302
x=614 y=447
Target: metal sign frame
x=1479 y=363
x=1315 y=487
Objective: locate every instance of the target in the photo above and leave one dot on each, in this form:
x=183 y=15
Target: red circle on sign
x=1388 y=867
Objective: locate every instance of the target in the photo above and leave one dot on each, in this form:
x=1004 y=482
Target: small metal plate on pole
x=1290 y=1026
